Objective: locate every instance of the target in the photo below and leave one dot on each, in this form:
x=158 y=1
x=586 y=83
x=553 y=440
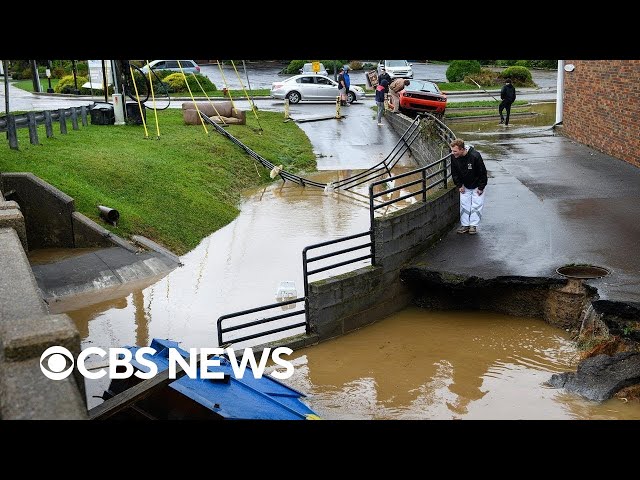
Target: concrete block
x=19 y=294
x=47 y=210
x=26 y=394
x=24 y=338
x=13 y=218
x=8 y=205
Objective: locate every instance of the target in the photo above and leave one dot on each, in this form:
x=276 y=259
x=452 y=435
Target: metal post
x=75 y=77
x=63 y=121
x=11 y=132
x=338 y=107
x=286 y=108
x=305 y=280
x=6 y=86
x=424 y=186
x=444 y=171
x=83 y=115
x=36 y=77
x=47 y=123
x=33 y=128
x=49 y=90
x=371 y=224
x=104 y=82
x=74 y=118
x=559 y=92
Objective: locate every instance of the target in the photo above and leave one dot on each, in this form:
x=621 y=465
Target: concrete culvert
x=582 y=271
x=109 y=215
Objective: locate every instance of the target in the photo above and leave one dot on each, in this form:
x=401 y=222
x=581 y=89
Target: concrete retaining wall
x=26 y=331
x=47 y=211
x=346 y=302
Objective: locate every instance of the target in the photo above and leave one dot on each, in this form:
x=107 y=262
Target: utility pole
x=6 y=86
x=36 y=77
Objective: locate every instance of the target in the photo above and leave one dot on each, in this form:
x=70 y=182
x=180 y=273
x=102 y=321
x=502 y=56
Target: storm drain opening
x=582 y=271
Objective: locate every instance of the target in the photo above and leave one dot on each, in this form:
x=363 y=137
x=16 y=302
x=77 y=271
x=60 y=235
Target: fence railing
x=11 y=123
x=439 y=169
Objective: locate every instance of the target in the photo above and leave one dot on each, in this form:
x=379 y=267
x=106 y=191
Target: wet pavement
x=550 y=202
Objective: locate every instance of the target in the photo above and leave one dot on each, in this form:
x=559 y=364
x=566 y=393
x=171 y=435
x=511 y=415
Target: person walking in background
x=342 y=87
x=508 y=96
x=470 y=176
x=394 y=92
x=380 y=99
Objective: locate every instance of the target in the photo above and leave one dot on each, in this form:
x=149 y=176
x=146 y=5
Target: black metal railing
x=440 y=168
x=306 y=272
x=222 y=330
x=12 y=122
x=445 y=171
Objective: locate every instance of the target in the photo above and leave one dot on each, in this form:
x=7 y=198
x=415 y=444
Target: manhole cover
x=582 y=271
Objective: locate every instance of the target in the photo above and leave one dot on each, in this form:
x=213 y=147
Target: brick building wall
x=602 y=106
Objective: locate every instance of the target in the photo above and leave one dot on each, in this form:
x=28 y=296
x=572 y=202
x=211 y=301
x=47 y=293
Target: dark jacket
x=469 y=170
x=508 y=93
x=387 y=77
x=379 y=95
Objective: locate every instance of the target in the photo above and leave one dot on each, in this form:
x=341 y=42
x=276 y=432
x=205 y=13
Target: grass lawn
x=175 y=190
x=461 y=86
x=481 y=103
x=28 y=84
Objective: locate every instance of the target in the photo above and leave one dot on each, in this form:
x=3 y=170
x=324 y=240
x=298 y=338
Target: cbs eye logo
x=59 y=363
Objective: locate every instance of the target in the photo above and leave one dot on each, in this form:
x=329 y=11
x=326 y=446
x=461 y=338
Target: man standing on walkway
x=470 y=176
x=384 y=76
x=508 y=96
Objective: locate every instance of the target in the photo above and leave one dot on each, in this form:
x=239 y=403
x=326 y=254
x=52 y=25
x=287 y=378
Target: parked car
x=312 y=87
x=308 y=68
x=188 y=66
x=396 y=68
x=423 y=96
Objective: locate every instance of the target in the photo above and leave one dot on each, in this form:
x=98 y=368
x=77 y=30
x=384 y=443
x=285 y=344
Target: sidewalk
x=550 y=202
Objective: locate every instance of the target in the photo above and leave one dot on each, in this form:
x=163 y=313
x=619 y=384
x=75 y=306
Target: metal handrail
x=261 y=321
x=445 y=170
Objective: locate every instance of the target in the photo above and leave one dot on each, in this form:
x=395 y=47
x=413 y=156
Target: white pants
x=471 y=207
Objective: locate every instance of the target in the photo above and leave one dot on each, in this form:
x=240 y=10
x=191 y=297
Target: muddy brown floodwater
x=421 y=364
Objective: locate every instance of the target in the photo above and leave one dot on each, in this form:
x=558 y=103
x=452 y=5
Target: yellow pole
x=253 y=107
x=193 y=99
x=153 y=99
x=286 y=108
x=226 y=85
x=135 y=87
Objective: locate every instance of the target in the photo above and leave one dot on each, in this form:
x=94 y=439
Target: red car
x=423 y=96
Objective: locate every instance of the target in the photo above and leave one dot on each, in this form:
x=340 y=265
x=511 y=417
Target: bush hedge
x=177 y=83
x=458 y=69
x=520 y=76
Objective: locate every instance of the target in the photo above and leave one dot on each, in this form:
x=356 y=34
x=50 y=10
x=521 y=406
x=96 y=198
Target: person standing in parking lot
x=384 y=76
x=394 y=92
x=342 y=88
x=380 y=99
x=347 y=84
x=508 y=96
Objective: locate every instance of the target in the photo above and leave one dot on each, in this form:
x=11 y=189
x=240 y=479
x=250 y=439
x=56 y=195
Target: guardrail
x=425 y=174
x=10 y=123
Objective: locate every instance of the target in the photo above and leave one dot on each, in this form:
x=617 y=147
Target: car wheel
x=351 y=97
x=294 y=97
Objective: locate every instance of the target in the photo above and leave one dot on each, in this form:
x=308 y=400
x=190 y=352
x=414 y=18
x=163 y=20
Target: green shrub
x=355 y=65
x=177 y=83
x=82 y=68
x=369 y=66
x=67 y=84
x=505 y=63
x=458 y=69
x=58 y=72
x=520 y=76
x=485 y=77
x=294 y=66
x=523 y=63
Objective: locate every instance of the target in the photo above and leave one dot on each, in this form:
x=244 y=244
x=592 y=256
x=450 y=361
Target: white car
x=188 y=66
x=396 y=68
x=312 y=87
